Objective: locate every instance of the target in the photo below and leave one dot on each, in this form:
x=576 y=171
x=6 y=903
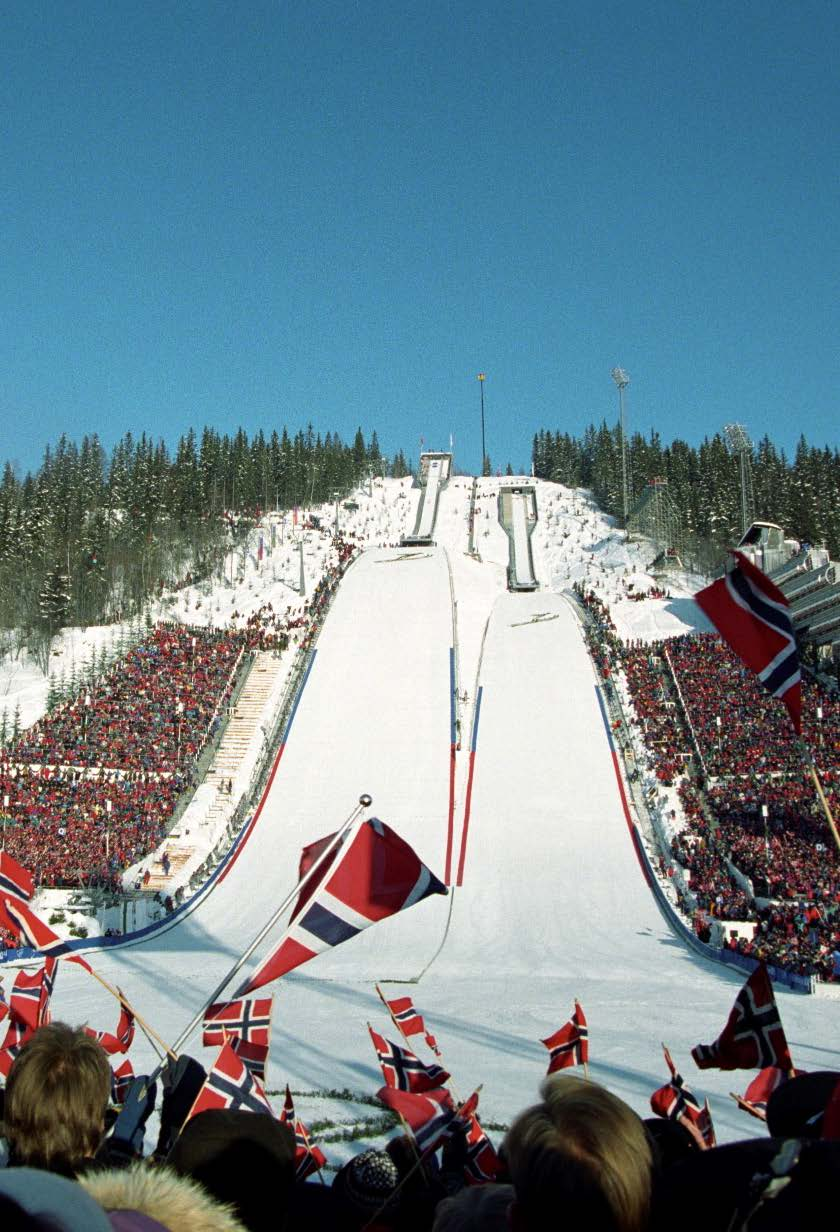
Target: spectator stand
x=648 y=801
x=252 y=783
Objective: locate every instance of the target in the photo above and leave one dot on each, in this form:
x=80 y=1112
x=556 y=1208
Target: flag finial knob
x=365 y=800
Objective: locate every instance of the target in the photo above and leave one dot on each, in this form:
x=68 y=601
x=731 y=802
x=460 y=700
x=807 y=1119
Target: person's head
x=477 y=1208
x=56 y=1096
x=582 y=1155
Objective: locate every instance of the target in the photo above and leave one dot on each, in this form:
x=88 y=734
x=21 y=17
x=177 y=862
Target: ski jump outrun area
x=548 y=900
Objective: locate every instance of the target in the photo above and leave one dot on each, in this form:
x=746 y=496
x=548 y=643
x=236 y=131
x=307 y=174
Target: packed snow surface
x=552 y=904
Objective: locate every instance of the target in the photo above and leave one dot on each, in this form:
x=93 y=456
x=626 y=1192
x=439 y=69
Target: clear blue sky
x=262 y=213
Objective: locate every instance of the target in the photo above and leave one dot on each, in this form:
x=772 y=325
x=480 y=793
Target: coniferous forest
x=802 y=496
x=90 y=536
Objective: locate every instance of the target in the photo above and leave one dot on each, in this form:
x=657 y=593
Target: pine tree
x=54 y=599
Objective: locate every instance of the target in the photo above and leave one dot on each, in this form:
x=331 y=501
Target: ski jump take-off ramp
x=548 y=900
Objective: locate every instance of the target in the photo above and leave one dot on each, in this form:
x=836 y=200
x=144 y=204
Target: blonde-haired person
x=580 y=1155
x=56 y=1098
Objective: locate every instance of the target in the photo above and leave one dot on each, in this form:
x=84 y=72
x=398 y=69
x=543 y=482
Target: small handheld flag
x=753 y=1036
x=569 y=1045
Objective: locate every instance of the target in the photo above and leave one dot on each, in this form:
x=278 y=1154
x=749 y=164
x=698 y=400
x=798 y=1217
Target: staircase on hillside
x=238 y=736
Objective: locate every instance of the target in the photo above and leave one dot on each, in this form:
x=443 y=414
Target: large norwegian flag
x=376 y=875
x=569 y=1045
x=308 y=1157
x=15 y=882
x=404 y=1071
x=230 y=1084
x=431 y=1117
x=35 y=933
x=751 y=614
x=753 y=1036
x=119 y=1041
x=246 y=1020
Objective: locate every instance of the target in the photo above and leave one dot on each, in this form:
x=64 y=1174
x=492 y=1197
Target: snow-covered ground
x=552 y=905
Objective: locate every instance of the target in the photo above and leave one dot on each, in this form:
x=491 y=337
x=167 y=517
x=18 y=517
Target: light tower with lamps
x=481 y=379
x=622 y=380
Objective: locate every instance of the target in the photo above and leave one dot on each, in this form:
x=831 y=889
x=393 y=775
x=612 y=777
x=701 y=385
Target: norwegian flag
x=17 y=1034
x=230 y=1084
x=751 y=614
x=483 y=1164
x=254 y=1056
x=15 y=880
x=431 y=1117
x=405 y=1016
x=376 y=875
x=121 y=1040
x=569 y=1045
x=403 y=1070
x=121 y=1080
x=31 y=995
x=675 y=1101
x=38 y=935
x=753 y=1036
x=431 y=1042
x=15 y=883
x=705 y=1126
x=755 y=1098
x=245 y=1020
x=308 y=1157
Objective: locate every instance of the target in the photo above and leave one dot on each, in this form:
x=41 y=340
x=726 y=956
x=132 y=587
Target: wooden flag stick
x=141 y=1022
x=823 y=801
x=142 y=1025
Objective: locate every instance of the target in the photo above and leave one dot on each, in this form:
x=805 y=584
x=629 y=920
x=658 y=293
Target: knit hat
x=366 y=1183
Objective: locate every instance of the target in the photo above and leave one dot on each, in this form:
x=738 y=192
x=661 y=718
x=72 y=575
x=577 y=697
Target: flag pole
x=364 y=802
x=809 y=762
x=147 y=1030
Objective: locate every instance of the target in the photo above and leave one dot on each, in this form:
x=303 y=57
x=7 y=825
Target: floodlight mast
x=738 y=440
x=622 y=380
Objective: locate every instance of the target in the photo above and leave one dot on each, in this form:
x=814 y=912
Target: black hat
x=795 y=1109
x=243 y=1158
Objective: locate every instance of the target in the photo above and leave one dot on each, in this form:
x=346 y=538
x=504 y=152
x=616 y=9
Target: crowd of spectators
x=748 y=802
x=71 y=1159
x=91 y=787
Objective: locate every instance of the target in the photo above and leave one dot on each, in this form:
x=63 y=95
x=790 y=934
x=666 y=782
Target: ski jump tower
x=518 y=517
x=435 y=469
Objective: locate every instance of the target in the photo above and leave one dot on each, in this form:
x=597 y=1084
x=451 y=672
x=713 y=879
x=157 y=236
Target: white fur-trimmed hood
x=177 y=1202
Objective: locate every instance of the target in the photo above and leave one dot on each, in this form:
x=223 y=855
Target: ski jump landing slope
x=553 y=904
x=373 y=717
